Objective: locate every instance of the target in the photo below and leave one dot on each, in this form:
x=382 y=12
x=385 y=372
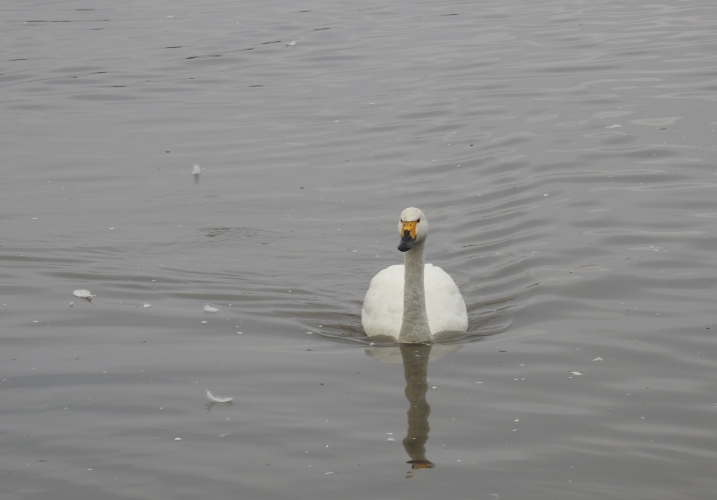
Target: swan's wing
x=444 y=303
x=382 y=311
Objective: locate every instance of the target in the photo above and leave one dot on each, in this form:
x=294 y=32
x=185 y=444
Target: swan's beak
x=409 y=236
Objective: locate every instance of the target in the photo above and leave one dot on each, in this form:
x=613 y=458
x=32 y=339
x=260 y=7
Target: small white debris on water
x=196 y=170
x=147 y=305
x=83 y=294
x=217 y=399
x=479 y=382
x=614 y=126
x=291 y=43
x=598 y=359
x=210 y=309
x=576 y=373
x=72 y=304
x=390 y=439
x=204 y=322
x=177 y=439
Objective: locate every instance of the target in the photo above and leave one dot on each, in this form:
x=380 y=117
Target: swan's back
x=382 y=312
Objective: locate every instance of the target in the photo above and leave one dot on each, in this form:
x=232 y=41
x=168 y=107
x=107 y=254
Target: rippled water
x=563 y=151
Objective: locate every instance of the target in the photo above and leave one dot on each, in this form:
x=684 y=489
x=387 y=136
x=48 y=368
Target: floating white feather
x=217 y=399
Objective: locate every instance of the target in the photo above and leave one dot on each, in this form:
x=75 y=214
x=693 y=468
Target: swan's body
x=414 y=301
x=383 y=306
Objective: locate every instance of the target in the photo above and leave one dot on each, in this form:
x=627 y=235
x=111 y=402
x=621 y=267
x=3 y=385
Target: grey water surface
x=564 y=152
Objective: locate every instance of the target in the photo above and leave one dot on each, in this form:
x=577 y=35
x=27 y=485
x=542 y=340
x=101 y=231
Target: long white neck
x=414 y=327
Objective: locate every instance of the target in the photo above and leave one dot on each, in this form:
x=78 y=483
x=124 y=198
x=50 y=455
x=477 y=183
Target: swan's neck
x=414 y=327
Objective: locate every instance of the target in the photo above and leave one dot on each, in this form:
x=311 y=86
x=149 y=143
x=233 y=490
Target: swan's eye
x=419 y=220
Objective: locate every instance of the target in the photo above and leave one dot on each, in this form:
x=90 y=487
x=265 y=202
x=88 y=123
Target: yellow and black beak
x=408 y=229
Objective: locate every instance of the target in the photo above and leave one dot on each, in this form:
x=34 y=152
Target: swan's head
x=412 y=228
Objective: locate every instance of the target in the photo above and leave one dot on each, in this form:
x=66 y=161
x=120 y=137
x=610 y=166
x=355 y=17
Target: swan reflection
x=415 y=371
x=415 y=358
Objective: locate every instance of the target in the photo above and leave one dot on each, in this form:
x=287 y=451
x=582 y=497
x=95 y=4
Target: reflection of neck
x=414 y=326
x=415 y=370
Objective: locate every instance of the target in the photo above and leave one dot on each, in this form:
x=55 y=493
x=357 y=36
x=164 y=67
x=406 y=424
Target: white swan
x=414 y=301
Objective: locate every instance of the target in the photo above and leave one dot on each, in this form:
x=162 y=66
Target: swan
x=414 y=301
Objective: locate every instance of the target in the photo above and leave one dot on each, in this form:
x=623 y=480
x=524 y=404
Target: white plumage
x=417 y=313
x=383 y=306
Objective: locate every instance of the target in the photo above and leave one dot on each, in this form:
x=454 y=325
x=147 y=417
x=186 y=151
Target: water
x=563 y=151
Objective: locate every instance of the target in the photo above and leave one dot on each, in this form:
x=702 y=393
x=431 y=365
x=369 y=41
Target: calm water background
x=564 y=153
